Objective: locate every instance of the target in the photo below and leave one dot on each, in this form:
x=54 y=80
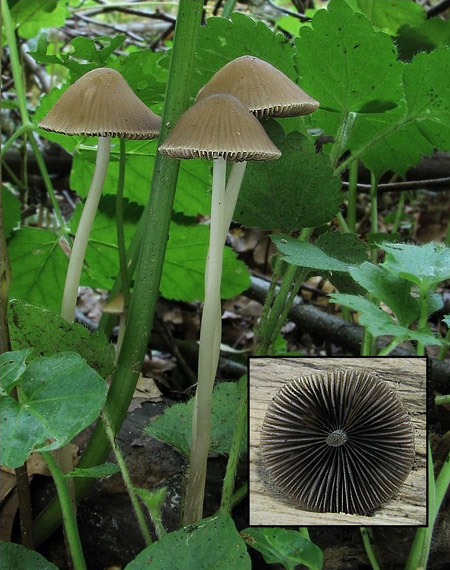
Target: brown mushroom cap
x=101 y=103
x=261 y=87
x=219 y=126
x=337 y=442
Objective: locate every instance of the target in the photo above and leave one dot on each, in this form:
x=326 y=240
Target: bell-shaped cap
x=219 y=126
x=101 y=103
x=261 y=87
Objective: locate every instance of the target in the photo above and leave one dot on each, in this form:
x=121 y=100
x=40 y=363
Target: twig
x=438 y=8
x=119 y=29
x=157 y=15
x=301 y=17
x=443 y=183
x=347 y=335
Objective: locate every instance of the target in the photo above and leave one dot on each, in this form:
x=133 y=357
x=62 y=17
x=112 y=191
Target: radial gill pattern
x=337 y=442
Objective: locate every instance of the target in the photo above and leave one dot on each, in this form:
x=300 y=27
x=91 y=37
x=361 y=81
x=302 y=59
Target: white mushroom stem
x=84 y=229
x=232 y=193
x=210 y=335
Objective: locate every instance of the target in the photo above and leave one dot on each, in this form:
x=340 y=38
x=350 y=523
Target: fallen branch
x=348 y=336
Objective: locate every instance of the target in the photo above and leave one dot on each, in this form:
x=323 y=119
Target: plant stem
x=268 y=301
x=373 y=212
x=239 y=495
x=342 y=136
x=270 y=327
x=235 y=450
x=444 y=348
x=70 y=523
x=399 y=212
x=27 y=126
x=375 y=140
x=442 y=400
x=20 y=131
x=127 y=480
x=80 y=243
x=389 y=347
x=418 y=555
x=342 y=223
x=125 y=280
x=155 y=224
x=422 y=322
x=352 y=196
x=228 y=8
x=303 y=530
x=366 y=534
x=209 y=349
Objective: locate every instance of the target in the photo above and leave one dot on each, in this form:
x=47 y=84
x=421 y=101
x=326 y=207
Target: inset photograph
x=338 y=441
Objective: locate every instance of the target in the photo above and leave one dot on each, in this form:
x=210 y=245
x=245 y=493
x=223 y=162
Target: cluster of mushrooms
x=222 y=125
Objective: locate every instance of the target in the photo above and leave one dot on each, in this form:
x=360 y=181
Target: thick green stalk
x=267 y=307
x=127 y=480
x=209 y=348
x=236 y=446
x=148 y=274
x=70 y=522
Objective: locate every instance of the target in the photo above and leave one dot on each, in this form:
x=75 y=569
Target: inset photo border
x=405 y=376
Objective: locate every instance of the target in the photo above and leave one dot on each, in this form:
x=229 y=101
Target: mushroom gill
x=337 y=442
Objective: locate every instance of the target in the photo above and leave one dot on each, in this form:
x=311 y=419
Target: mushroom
x=116 y=306
x=219 y=127
x=267 y=92
x=337 y=442
x=100 y=103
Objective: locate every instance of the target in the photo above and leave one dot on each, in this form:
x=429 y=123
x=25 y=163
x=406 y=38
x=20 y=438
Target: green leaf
x=12 y=366
x=446 y=320
x=223 y=40
x=346 y=65
x=424 y=265
x=31 y=17
x=174 y=426
x=282 y=546
x=426 y=37
x=16 y=557
x=47 y=333
x=38 y=267
x=306 y=254
x=380 y=323
x=11 y=211
x=347 y=248
x=183 y=274
x=83 y=55
x=142 y=71
x=390 y=16
x=420 y=125
x=296 y=191
x=96 y=472
x=212 y=543
x=58 y=397
x=390 y=289
x=194 y=179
